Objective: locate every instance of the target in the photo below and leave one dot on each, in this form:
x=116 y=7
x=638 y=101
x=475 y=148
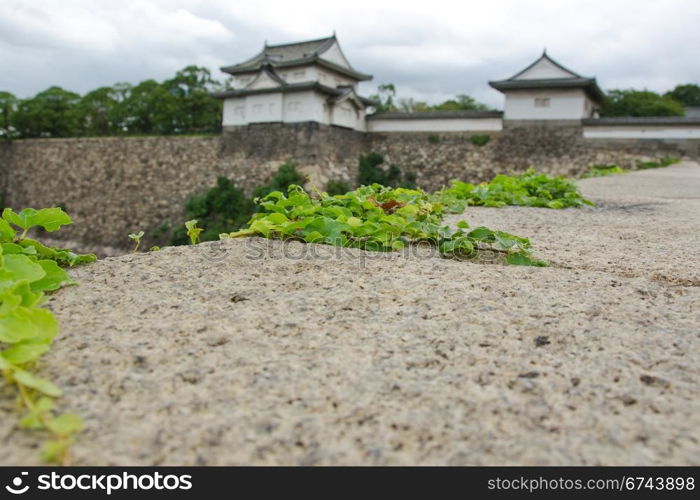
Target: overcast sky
x=430 y=50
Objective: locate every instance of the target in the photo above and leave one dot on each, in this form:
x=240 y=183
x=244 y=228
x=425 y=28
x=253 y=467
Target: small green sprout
x=137 y=238
x=193 y=231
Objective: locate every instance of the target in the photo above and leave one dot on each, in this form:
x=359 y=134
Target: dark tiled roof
x=282 y=53
x=642 y=120
x=274 y=76
x=297 y=50
x=546 y=57
x=348 y=91
x=434 y=115
x=334 y=93
x=294 y=54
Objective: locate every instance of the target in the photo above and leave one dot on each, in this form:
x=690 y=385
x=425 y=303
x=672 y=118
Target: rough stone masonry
x=259 y=352
x=114 y=186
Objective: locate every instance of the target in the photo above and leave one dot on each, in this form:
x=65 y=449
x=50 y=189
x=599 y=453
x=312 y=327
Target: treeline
x=387 y=101
x=178 y=105
x=183 y=105
x=647 y=103
x=616 y=103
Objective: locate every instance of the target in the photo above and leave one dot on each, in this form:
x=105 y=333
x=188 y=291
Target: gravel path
x=262 y=352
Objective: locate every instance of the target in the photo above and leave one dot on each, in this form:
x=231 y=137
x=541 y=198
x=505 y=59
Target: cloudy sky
x=430 y=50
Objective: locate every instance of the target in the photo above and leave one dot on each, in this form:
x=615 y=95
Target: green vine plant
x=663 y=162
x=480 y=140
x=529 y=189
x=377 y=218
x=193 y=231
x=28 y=271
x=137 y=238
x=603 y=171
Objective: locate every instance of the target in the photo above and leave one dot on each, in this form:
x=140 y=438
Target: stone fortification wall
x=114 y=186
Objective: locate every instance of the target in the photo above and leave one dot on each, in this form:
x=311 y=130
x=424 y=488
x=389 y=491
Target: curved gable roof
x=298 y=50
x=295 y=54
x=334 y=94
x=568 y=79
x=543 y=60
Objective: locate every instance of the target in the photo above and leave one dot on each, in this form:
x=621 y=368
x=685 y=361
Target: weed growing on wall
x=193 y=231
x=480 y=139
x=663 y=162
x=136 y=237
x=29 y=270
x=531 y=189
x=377 y=218
x=603 y=170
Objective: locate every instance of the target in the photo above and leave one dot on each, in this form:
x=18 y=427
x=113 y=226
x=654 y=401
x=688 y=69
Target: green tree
x=97 y=112
x=119 y=114
x=687 y=95
x=8 y=108
x=639 y=103
x=384 y=97
x=148 y=109
x=179 y=105
x=462 y=102
x=51 y=113
x=370 y=172
x=410 y=105
x=195 y=110
x=387 y=94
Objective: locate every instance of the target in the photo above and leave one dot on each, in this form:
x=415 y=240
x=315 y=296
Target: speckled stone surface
x=645 y=224
x=261 y=352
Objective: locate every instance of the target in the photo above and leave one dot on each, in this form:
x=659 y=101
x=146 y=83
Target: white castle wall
x=435 y=125
x=275 y=107
x=564 y=104
x=292 y=107
x=642 y=132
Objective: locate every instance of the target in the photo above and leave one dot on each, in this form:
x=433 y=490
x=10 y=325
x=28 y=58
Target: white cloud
x=430 y=50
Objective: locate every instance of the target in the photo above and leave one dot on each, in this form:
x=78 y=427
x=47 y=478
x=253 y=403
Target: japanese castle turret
x=546 y=90
x=309 y=81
